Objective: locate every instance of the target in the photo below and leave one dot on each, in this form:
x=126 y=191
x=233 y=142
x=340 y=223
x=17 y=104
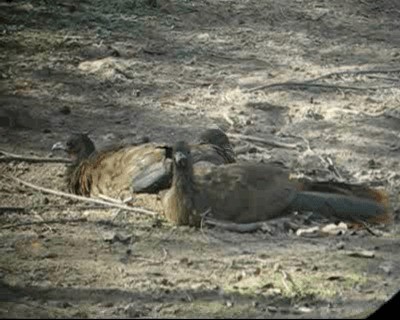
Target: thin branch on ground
x=236 y=227
x=203 y=217
x=8 y=157
x=80 y=198
x=271 y=143
x=310 y=83
x=49 y=207
x=2 y=209
x=353 y=72
x=307 y=85
x=384 y=78
x=54 y=221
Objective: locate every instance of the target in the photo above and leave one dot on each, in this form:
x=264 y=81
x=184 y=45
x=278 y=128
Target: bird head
x=181 y=155
x=78 y=146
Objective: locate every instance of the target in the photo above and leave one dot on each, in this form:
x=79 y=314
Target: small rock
x=229 y=304
x=186 y=261
x=361 y=254
x=253 y=150
x=340 y=245
x=334 y=229
x=335 y=278
x=50 y=255
x=112 y=237
x=203 y=37
x=307 y=232
x=272 y=309
x=47 y=130
x=386 y=267
x=65 y=110
x=305 y=309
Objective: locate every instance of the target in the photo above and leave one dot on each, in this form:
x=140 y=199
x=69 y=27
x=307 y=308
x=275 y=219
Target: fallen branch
x=236 y=227
x=80 y=198
x=354 y=72
x=272 y=143
x=63 y=221
x=18 y=209
x=384 y=78
x=8 y=157
x=309 y=84
x=51 y=206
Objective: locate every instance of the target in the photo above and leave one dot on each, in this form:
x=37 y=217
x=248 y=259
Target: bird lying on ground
x=248 y=193
x=120 y=171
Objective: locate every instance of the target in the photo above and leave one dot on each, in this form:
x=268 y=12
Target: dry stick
x=8 y=157
x=9 y=226
x=353 y=72
x=317 y=85
x=384 y=78
x=237 y=227
x=267 y=142
x=76 y=197
x=309 y=83
x=51 y=206
x=3 y=209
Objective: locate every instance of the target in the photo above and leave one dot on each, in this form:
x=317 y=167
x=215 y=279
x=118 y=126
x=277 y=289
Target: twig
x=309 y=84
x=384 y=78
x=63 y=221
x=237 y=227
x=8 y=157
x=284 y=277
x=108 y=199
x=353 y=72
x=80 y=198
x=228 y=119
x=203 y=217
x=272 y=143
x=19 y=209
x=331 y=167
x=50 y=206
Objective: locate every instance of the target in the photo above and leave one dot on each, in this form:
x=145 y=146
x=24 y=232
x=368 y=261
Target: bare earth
x=123 y=70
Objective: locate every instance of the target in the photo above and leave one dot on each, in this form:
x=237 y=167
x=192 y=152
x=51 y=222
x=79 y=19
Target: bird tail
x=357 y=190
x=352 y=203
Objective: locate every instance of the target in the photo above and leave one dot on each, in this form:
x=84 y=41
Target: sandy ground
x=125 y=69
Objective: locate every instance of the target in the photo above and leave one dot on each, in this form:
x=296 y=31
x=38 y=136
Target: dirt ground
x=127 y=69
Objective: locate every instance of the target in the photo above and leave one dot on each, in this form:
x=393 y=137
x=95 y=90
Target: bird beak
x=59 y=146
x=180 y=158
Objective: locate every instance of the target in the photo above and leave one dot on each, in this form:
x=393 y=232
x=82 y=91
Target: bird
x=245 y=193
x=120 y=171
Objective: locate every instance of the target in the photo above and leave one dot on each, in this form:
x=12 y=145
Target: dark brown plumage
x=147 y=167
x=246 y=193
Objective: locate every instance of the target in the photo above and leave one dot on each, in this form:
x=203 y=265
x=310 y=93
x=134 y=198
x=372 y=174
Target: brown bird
x=247 y=193
x=119 y=171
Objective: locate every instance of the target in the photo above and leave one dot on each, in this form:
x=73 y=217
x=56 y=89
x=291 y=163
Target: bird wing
x=244 y=193
x=113 y=172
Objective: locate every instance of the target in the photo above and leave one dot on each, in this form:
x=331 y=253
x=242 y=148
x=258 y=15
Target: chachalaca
x=247 y=193
x=143 y=168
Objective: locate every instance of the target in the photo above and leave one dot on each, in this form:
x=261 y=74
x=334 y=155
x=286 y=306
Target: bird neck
x=183 y=180
x=86 y=152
